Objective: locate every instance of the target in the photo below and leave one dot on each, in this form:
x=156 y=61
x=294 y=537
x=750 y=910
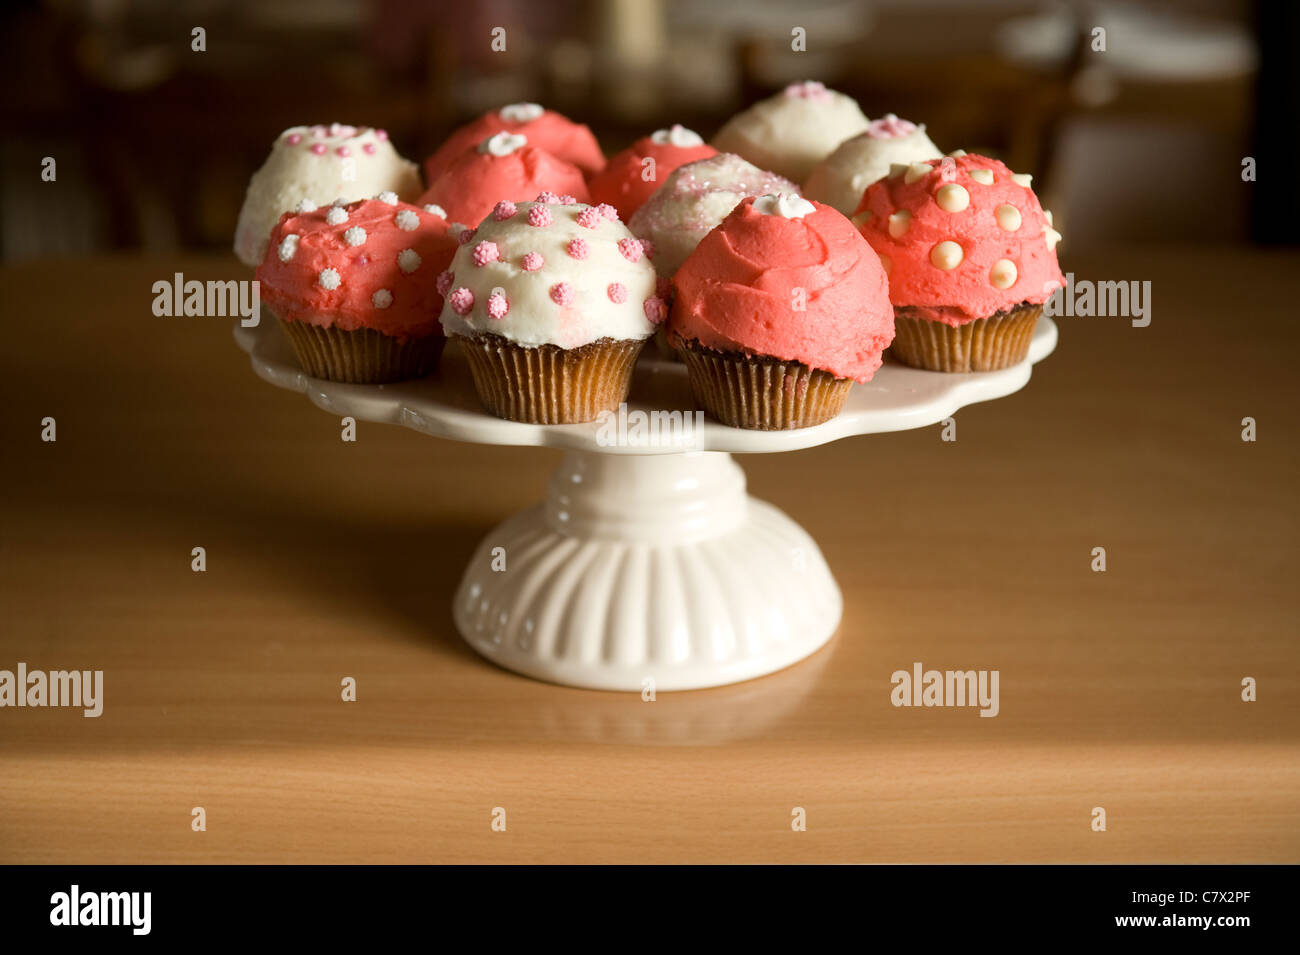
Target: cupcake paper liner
x=985 y=344
x=762 y=394
x=549 y=384
x=363 y=356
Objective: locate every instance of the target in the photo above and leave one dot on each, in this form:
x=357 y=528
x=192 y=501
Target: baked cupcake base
x=986 y=344
x=549 y=384
x=760 y=393
x=363 y=356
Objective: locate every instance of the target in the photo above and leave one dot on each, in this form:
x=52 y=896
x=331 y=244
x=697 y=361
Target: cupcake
x=778 y=311
x=694 y=199
x=552 y=303
x=319 y=164
x=546 y=128
x=355 y=287
x=791 y=132
x=971 y=257
x=840 y=179
x=504 y=166
x=632 y=176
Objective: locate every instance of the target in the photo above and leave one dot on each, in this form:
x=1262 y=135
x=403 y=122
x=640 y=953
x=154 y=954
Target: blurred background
x=1142 y=142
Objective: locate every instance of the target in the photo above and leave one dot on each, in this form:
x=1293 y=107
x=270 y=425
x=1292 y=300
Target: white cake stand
x=647 y=564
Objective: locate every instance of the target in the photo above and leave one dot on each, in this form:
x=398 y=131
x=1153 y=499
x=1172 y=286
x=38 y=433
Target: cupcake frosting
x=793 y=131
x=629 y=178
x=551 y=273
x=319 y=163
x=694 y=199
x=367 y=264
x=504 y=165
x=840 y=179
x=791 y=279
x=558 y=135
x=962 y=237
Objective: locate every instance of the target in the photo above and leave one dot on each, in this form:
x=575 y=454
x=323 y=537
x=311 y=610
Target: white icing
x=534 y=317
x=783 y=205
x=288 y=248
x=355 y=236
x=522 y=112
x=328 y=278
x=503 y=144
x=407 y=220
x=676 y=135
x=408 y=260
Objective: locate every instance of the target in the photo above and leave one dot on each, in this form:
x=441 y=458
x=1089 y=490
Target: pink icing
x=473 y=185
x=561 y=137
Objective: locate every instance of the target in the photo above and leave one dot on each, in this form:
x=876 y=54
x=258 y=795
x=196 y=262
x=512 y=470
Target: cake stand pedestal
x=647 y=564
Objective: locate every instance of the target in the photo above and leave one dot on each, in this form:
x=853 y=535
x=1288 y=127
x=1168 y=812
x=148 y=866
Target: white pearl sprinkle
x=288 y=248
x=983 y=176
x=438 y=211
x=917 y=170
x=896 y=169
x=306 y=205
x=407 y=220
x=340 y=201
x=952 y=198
x=957 y=153
x=1052 y=236
x=328 y=278
x=1022 y=179
x=898 y=223
x=1008 y=218
x=946 y=255
x=388 y=197
x=1047 y=214
x=382 y=298
x=355 y=235
x=337 y=215
x=1003 y=274
x=408 y=260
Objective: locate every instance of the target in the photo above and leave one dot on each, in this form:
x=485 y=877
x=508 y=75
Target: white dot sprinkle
x=407 y=220
x=408 y=260
x=306 y=205
x=898 y=223
x=382 y=298
x=337 y=215
x=340 y=201
x=388 y=197
x=438 y=211
x=983 y=176
x=328 y=278
x=1022 y=179
x=288 y=247
x=355 y=235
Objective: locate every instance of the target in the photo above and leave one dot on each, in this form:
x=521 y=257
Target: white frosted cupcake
x=551 y=303
x=841 y=178
x=312 y=166
x=793 y=131
x=694 y=199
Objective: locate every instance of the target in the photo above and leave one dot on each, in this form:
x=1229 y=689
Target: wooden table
x=327 y=560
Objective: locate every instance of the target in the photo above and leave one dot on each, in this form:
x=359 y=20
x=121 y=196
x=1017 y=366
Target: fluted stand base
x=647 y=570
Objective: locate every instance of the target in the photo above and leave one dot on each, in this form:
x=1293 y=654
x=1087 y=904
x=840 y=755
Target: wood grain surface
x=324 y=560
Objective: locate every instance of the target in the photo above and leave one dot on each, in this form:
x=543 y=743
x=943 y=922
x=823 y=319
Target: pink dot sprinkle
x=318 y=149
x=368 y=149
x=294 y=139
x=648 y=247
x=445 y=278
x=539 y=216
x=562 y=294
x=631 y=249
x=617 y=292
x=505 y=209
x=589 y=218
x=655 y=309
x=608 y=211
x=318 y=131
x=567 y=200
x=484 y=253
x=532 y=261
x=461 y=301
x=466 y=236
x=578 y=248
x=381 y=134
x=548 y=198
x=343 y=151
x=497 y=305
